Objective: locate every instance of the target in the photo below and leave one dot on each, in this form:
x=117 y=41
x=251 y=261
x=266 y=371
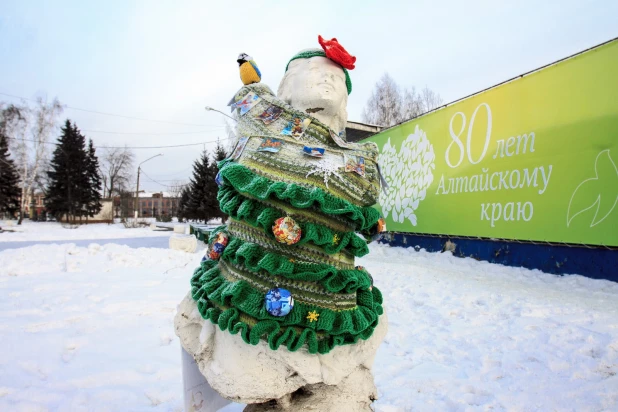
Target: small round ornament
x=217 y=246
x=286 y=230
x=219 y=180
x=279 y=302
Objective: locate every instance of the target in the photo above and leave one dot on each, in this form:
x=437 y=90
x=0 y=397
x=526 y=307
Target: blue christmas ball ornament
x=279 y=302
x=219 y=180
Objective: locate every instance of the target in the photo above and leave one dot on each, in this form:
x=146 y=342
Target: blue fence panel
x=596 y=263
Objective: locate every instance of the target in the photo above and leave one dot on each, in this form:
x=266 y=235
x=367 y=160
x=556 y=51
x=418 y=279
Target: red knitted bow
x=337 y=53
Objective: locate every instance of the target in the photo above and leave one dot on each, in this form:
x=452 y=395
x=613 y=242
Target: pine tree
x=183 y=204
x=219 y=155
x=82 y=180
x=9 y=181
x=69 y=187
x=94 y=181
x=201 y=191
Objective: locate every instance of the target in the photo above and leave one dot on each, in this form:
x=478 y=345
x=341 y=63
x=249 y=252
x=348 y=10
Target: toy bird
x=249 y=72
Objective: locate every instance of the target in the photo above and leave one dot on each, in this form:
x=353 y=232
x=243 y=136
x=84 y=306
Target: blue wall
x=596 y=263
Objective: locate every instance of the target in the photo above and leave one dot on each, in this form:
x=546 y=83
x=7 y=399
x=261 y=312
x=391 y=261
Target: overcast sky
x=166 y=60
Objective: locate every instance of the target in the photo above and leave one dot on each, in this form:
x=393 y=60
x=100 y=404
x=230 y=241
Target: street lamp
x=137 y=189
x=210 y=109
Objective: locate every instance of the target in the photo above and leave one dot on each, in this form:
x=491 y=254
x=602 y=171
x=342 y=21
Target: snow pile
x=473 y=335
x=90 y=328
x=100 y=259
x=41 y=231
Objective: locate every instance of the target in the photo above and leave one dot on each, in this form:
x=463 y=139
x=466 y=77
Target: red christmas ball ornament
x=286 y=230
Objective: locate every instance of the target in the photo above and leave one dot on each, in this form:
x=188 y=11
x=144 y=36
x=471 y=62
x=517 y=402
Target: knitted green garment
x=334 y=301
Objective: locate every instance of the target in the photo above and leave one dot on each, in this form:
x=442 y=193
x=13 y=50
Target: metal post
x=210 y=109
x=137 y=188
x=136 y=213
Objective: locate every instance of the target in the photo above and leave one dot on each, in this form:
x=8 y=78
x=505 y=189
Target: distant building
x=150 y=205
x=157 y=204
x=355 y=131
x=37 y=204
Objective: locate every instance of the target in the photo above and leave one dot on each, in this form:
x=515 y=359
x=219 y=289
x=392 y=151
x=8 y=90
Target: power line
x=165 y=180
x=162 y=184
x=111 y=114
x=131 y=147
x=175 y=173
x=160 y=147
x=148 y=133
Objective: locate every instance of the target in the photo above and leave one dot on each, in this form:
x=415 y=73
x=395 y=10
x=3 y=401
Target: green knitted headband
x=313 y=53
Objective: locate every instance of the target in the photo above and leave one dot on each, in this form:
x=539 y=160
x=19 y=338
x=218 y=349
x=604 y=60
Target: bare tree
x=31 y=149
x=175 y=190
x=430 y=99
x=116 y=170
x=384 y=105
x=13 y=120
x=412 y=105
x=388 y=105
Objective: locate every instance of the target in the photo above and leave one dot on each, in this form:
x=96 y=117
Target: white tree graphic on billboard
x=600 y=191
x=409 y=173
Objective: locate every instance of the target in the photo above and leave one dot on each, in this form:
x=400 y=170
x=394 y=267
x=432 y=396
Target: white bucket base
x=187 y=243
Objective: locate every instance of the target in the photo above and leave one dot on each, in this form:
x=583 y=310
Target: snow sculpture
x=304 y=354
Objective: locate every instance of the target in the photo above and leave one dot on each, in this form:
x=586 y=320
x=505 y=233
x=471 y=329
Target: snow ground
x=136 y=242
x=37 y=231
x=469 y=335
x=91 y=328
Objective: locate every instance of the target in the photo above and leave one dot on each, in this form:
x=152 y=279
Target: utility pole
x=135 y=209
x=137 y=188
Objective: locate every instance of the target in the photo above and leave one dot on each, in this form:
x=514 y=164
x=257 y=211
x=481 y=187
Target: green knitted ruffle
x=262 y=216
x=239 y=307
x=245 y=181
x=255 y=258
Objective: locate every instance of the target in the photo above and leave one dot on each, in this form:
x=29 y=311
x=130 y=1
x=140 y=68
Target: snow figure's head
x=318 y=86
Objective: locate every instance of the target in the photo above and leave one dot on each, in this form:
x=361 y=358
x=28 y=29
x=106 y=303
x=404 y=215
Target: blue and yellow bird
x=249 y=72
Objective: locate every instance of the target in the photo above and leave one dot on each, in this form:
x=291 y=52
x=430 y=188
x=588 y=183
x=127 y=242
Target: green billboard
x=535 y=158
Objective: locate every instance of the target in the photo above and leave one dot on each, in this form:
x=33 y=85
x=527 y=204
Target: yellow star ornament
x=313 y=316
